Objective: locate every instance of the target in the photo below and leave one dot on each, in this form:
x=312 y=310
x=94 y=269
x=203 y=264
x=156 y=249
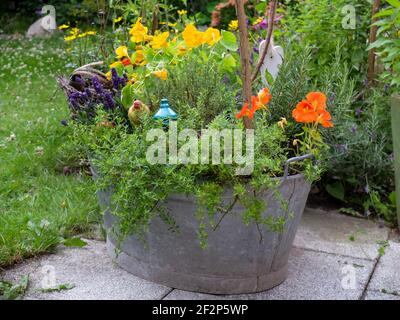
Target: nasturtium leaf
x=229 y=40
x=127 y=96
x=229 y=62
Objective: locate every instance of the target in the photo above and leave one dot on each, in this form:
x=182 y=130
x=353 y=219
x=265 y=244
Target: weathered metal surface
x=396 y=147
x=239 y=258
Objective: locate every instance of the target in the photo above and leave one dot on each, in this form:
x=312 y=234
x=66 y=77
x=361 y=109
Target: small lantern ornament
x=165 y=113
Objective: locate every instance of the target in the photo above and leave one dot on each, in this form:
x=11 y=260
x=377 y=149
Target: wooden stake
x=372 y=38
x=271 y=19
x=245 y=58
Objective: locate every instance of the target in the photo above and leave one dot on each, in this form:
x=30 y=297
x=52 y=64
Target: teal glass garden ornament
x=165 y=113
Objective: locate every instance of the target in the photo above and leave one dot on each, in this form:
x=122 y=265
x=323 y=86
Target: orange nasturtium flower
x=264 y=96
x=313 y=110
x=257 y=102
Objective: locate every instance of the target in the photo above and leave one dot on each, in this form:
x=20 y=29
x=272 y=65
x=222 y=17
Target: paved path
x=329 y=249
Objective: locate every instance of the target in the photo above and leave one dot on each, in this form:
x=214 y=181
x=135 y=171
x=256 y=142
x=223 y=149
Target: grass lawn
x=38 y=203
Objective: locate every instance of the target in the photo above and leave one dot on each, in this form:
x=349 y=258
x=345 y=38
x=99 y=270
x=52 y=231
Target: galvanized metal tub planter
x=238 y=259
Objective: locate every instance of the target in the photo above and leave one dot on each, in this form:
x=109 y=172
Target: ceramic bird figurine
x=136 y=110
x=272 y=62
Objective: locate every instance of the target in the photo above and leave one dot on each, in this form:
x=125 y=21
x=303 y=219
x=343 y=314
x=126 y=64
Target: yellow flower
x=91 y=33
x=108 y=75
x=74 y=31
x=139 y=58
x=182 y=50
x=182 y=12
x=139 y=32
x=122 y=52
x=282 y=123
x=259 y=20
x=162 y=74
x=212 y=36
x=160 y=41
x=192 y=37
x=63 y=26
x=233 y=25
x=134 y=78
x=170 y=24
x=70 y=38
x=116 y=20
x=115 y=64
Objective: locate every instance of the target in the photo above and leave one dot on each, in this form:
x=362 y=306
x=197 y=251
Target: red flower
x=126 y=62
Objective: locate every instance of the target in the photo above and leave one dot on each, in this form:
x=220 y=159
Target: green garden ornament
x=165 y=113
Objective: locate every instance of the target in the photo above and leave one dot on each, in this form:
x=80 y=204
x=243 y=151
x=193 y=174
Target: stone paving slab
x=387 y=272
x=91 y=271
x=377 y=295
x=322 y=253
x=312 y=275
x=332 y=232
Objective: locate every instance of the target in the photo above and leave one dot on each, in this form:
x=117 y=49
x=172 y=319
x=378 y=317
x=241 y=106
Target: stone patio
x=334 y=257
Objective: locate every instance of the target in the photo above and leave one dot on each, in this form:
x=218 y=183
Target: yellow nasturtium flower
x=69 y=38
x=212 y=36
x=182 y=50
x=139 y=32
x=122 y=52
x=139 y=58
x=115 y=64
x=108 y=75
x=170 y=24
x=259 y=20
x=192 y=37
x=233 y=25
x=160 y=41
x=74 y=31
x=282 y=123
x=162 y=74
x=182 y=12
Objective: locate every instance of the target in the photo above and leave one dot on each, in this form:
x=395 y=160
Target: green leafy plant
x=387 y=44
x=9 y=291
x=318 y=24
x=58 y=288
